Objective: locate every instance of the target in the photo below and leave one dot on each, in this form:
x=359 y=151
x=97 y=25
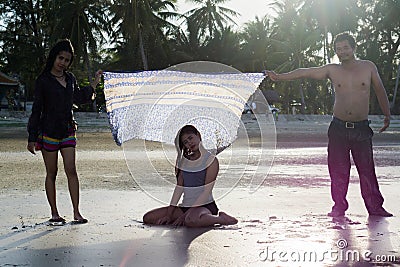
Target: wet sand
x=279 y=224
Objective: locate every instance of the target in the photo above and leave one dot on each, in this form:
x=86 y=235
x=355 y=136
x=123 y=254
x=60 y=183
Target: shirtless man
x=349 y=129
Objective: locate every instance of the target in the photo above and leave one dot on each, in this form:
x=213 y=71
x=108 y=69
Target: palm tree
x=224 y=47
x=186 y=43
x=210 y=17
x=295 y=45
x=256 y=44
x=24 y=36
x=139 y=24
x=379 y=33
x=331 y=17
x=83 y=22
x=392 y=105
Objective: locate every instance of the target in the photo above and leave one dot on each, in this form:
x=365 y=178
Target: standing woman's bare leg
x=51 y=164
x=68 y=154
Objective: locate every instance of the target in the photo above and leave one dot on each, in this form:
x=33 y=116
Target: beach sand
x=282 y=223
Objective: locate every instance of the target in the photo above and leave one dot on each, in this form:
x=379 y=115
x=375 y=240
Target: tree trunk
x=144 y=58
x=395 y=89
x=89 y=73
x=303 y=102
x=326 y=44
x=35 y=30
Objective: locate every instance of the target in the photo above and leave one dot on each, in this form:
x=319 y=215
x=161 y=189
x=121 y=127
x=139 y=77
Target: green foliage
x=255 y=45
x=210 y=18
x=130 y=35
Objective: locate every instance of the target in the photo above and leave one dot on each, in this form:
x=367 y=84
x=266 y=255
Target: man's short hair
x=344 y=36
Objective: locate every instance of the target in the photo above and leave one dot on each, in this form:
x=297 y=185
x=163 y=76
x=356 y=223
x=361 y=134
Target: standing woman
x=51 y=126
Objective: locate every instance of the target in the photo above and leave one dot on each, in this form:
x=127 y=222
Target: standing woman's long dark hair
x=62 y=45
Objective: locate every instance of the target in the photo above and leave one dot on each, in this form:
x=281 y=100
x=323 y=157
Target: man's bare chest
x=351 y=80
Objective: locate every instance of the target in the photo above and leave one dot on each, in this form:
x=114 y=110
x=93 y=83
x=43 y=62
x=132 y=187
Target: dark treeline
x=131 y=35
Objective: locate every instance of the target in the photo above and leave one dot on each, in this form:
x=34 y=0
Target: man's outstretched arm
x=317 y=73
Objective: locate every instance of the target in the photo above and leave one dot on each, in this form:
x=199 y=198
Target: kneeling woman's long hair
x=180 y=147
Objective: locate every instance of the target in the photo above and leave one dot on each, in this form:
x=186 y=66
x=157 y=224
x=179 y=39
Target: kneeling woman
x=196 y=172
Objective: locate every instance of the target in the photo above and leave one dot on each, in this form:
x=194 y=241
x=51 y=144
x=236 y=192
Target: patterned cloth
x=154 y=105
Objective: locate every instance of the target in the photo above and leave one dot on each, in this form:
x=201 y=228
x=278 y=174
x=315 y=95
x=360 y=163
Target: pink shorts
x=51 y=144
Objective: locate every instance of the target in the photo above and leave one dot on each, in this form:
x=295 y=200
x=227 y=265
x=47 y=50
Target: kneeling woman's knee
x=147 y=219
x=191 y=220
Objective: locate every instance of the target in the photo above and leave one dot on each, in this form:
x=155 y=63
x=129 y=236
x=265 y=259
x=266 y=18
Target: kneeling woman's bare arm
x=174 y=201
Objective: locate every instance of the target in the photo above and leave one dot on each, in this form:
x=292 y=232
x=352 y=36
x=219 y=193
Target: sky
x=248 y=9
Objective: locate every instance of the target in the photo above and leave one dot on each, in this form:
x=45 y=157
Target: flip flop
x=81 y=221
x=59 y=220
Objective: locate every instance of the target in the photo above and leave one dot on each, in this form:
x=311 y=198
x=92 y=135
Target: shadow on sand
x=167 y=247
